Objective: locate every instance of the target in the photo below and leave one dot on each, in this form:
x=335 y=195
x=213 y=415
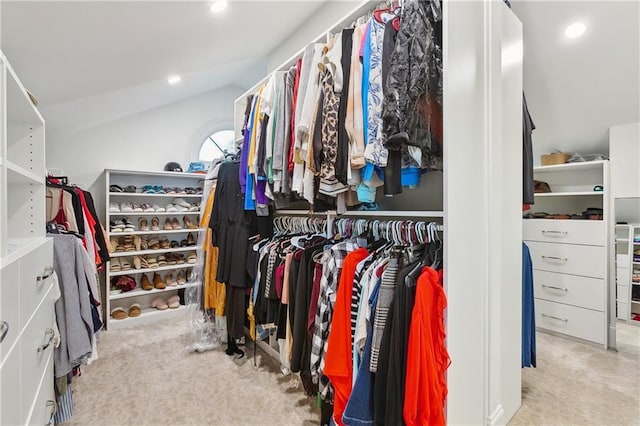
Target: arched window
x=217 y=145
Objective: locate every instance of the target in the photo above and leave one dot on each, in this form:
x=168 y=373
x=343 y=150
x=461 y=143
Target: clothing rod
x=366 y=213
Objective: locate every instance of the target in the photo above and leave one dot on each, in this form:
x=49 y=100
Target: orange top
x=338 y=364
x=427 y=357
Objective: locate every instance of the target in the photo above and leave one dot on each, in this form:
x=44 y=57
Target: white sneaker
x=114 y=208
x=181 y=208
x=159 y=208
x=171 y=208
x=126 y=207
x=181 y=202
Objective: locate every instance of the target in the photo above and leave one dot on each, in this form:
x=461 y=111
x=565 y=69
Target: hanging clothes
x=528 y=311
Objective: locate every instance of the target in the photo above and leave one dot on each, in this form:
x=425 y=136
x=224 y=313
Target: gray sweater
x=73 y=308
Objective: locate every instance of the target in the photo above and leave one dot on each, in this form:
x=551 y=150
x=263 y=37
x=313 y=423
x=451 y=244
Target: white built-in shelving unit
x=27 y=293
x=115 y=298
x=627 y=261
x=571 y=256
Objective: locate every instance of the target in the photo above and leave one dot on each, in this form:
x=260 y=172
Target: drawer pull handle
x=48 y=271
x=558 y=233
x=555 y=318
x=559 y=259
x=51 y=404
x=50 y=334
x=555 y=288
x=4 y=326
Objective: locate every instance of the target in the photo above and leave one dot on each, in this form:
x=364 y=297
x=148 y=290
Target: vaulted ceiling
x=116 y=56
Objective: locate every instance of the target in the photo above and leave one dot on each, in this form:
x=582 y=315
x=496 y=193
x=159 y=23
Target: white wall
x=326 y=16
x=145 y=141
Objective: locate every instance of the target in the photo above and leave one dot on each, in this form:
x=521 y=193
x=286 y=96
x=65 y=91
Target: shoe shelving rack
x=144 y=298
x=628 y=268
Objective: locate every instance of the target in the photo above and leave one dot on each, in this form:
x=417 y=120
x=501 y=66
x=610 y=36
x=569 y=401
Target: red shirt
x=427 y=356
x=338 y=364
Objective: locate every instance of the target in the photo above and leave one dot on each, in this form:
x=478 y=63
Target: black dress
x=232 y=226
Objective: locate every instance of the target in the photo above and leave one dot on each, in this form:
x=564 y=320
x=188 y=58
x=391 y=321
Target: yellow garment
x=214 y=292
x=257 y=120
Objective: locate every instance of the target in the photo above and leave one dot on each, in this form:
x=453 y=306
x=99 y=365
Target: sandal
x=155 y=224
x=181 y=279
x=135 y=310
x=119 y=314
x=125 y=265
x=114 y=265
x=159 y=304
x=188 y=224
x=173 y=302
x=175 y=224
x=164 y=243
x=145 y=283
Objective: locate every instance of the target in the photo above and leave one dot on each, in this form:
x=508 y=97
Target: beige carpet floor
x=146 y=376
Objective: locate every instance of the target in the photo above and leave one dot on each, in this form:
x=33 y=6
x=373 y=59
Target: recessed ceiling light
x=174 y=79
x=218 y=6
x=575 y=30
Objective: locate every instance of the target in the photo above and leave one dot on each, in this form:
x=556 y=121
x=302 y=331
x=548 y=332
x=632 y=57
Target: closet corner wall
x=482 y=195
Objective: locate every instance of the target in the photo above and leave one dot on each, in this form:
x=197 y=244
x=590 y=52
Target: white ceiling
x=577 y=89
x=116 y=56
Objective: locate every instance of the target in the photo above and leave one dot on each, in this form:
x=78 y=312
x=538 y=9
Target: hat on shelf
x=197 y=167
x=172 y=167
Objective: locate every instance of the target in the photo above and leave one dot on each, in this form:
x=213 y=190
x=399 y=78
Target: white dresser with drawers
x=571 y=256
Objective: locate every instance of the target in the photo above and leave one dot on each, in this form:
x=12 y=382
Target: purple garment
x=261 y=188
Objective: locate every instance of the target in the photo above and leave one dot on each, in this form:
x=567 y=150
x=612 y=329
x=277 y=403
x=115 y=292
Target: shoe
x=125 y=265
x=147 y=208
x=159 y=304
x=169 y=280
x=136 y=207
x=175 y=244
x=170 y=190
x=173 y=302
x=137 y=242
x=159 y=190
x=191 y=241
x=144 y=243
x=195 y=207
x=158 y=208
x=119 y=314
x=179 y=258
x=181 y=202
x=137 y=263
x=183 y=243
x=113 y=243
x=188 y=224
x=145 y=283
x=164 y=243
x=128 y=225
x=190 y=191
x=168 y=225
x=114 y=208
x=171 y=208
x=157 y=282
x=152 y=262
x=162 y=261
x=126 y=207
x=189 y=275
x=191 y=258
x=135 y=310
x=148 y=189
x=130 y=188
x=114 y=264
x=154 y=244
x=171 y=259
x=115 y=188
x=181 y=279
x=143 y=224
x=175 y=224
x=155 y=224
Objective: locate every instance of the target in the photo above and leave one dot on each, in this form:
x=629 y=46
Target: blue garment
x=410 y=176
x=366 y=70
x=528 y=312
x=359 y=410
